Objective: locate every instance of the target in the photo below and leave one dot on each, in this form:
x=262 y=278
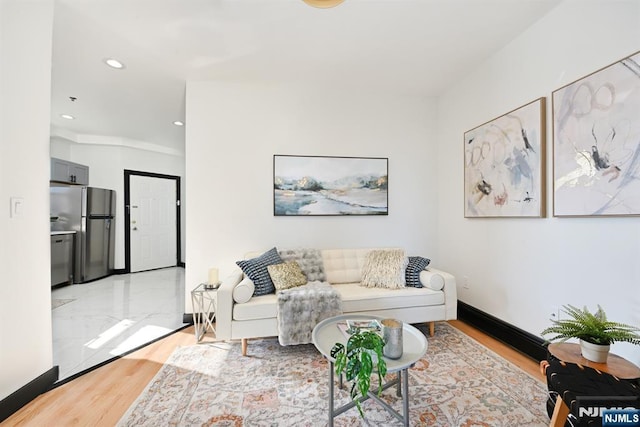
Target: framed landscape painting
x=596 y=143
x=322 y=185
x=504 y=165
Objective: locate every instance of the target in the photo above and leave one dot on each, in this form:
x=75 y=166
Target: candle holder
x=392 y=335
x=213 y=277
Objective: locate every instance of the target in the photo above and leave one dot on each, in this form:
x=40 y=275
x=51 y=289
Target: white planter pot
x=594 y=352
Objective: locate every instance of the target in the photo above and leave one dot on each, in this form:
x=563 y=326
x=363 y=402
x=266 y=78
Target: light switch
x=17 y=207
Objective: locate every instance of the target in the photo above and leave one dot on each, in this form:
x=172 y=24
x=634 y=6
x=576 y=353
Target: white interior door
x=153 y=222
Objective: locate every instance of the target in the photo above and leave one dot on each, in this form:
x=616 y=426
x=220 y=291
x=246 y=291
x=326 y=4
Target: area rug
x=458 y=383
x=58 y=302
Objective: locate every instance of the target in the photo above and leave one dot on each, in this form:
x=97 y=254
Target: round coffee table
x=414 y=346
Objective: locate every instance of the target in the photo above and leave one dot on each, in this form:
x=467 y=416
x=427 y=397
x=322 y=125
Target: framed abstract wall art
x=322 y=185
x=504 y=165
x=596 y=143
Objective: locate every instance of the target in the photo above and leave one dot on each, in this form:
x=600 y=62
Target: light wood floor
x=101 y=397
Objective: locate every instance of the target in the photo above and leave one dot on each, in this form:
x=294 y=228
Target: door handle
x=135 y=228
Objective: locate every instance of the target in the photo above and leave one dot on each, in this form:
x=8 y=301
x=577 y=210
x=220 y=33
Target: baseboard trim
x=513 y=336
x=124 y=270
x=25 y=394
x=188 y=318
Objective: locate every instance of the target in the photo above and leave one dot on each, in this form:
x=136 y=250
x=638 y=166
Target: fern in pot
x=357 y=360
x=595 y=332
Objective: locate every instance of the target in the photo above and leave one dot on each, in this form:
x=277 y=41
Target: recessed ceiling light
x=114 y=63
x=178 y=123
x=323 y=4
x=67 y=116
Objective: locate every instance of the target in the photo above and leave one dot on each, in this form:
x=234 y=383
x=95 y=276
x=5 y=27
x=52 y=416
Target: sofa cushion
x=309 y=260
x=256 y=269
x=286 y=275
x=415 y=266
x=385 y=268
x=260 y=307
x=356 y=298
x=343 y=265
x=243 y=291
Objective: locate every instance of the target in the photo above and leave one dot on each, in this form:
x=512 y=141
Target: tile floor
x=96 y=321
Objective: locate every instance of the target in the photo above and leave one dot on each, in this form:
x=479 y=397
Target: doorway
x=152 y=221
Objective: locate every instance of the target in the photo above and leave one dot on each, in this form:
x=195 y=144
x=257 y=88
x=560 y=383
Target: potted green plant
x=362 y=353
x=594 y=331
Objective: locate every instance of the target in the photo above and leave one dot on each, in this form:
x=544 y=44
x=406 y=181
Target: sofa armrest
x=224 y=306
x=450 y=293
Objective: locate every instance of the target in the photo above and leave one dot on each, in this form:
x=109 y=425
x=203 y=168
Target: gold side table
x=204 y=299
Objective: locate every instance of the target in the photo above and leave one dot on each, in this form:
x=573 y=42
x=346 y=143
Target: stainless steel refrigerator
x=90 y=212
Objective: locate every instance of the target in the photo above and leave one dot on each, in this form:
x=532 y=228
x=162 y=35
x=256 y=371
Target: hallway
x=96 y=321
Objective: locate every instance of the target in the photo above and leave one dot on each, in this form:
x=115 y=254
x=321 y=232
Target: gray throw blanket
x=301 y=309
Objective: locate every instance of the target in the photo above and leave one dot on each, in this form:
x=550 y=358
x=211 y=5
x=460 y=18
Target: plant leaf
x=337 y=348
x=353 y=368
x=364 y=376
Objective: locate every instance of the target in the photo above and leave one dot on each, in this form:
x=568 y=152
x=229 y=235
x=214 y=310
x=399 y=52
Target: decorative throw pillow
x=286 y=275
x=256 y=270
x=243 y=291
x=432 y=280
x=384 y=268
x=415 y=266
x=309 y=260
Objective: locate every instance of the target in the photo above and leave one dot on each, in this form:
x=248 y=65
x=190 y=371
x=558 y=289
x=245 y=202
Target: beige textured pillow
x=286 y=275
x=385 y=268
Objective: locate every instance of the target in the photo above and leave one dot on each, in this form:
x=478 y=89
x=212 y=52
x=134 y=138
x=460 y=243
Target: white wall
x=521 y=270
x=234 y=131
x=25 y=291
x=106 y=170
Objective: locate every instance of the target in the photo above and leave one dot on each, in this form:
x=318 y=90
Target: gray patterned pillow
x=415 y=266
x=309 y=260
x=256 y=270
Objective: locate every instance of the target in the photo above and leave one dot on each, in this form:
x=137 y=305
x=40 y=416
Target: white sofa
x=256 y=318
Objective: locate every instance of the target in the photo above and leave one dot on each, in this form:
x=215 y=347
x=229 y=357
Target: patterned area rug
x=57 y=302
x=458 y=383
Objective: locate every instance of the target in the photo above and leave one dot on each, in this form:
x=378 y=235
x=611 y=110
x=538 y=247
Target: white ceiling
x=411 y=46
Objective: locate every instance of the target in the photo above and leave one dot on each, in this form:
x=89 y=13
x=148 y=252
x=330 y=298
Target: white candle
x=213 y=276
